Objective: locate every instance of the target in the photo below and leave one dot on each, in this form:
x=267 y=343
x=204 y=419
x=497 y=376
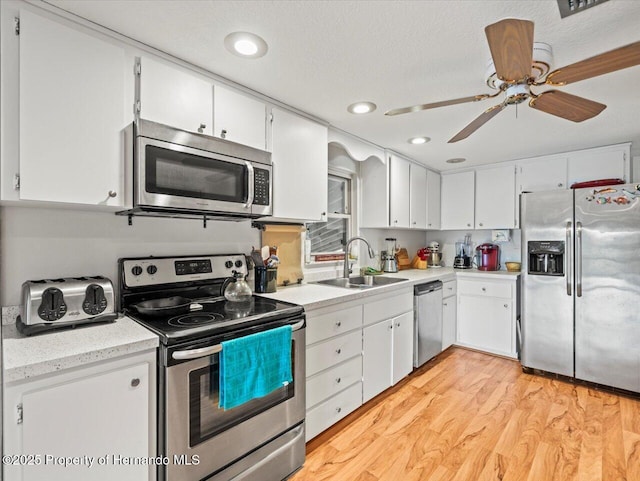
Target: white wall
x=40 y=243
x=509 y=251
x=410 y=240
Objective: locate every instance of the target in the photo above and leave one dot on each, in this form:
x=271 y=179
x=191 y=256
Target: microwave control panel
x=261 y=187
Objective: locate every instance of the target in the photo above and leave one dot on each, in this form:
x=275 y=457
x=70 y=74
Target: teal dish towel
x=253 y=366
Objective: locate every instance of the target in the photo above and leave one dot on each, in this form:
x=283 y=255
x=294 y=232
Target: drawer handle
x=338 y=410
x=338 y=324
x=338 y=351
x=135 y=382
x=445 y=304
x=484 y=289
x=338 y=380
x=506 y=305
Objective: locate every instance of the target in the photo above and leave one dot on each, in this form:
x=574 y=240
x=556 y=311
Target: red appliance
x=488 y=257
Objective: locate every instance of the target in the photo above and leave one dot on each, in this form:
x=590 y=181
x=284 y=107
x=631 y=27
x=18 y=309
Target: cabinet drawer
x=485 y=288
x=449 y=288
x=322 y=326
x=388 y=307
x=325 y=354
x=327 y=383
x=333 y=410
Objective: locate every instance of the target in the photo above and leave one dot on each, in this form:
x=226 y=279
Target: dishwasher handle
x=423 y=289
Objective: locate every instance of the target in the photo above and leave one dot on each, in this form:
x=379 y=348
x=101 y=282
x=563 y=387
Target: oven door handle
x=210 y=350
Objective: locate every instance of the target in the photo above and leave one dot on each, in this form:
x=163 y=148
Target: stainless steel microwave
x=186 y=174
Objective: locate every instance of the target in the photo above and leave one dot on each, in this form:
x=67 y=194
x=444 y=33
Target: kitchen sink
x=360 y=282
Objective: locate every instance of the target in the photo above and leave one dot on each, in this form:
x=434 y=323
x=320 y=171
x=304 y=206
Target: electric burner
x=202 y=280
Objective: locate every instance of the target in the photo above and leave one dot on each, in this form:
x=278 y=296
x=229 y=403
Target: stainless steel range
x=180 y=299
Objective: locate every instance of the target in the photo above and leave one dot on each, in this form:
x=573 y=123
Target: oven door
x=194 y=425
x=169 y=175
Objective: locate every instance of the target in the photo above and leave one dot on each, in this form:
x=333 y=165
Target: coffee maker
x=388 y=256
x=463 y=254
x=488 y=257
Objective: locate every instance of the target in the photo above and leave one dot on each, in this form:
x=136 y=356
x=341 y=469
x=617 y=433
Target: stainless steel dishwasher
x=427 y=330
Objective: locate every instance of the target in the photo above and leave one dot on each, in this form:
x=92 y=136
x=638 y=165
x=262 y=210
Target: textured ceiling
x=325 y=55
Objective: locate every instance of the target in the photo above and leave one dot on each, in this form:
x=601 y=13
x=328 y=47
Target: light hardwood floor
x=467 y=416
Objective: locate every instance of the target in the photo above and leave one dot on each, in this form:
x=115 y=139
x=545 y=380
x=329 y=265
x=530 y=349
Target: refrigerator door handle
x=568 y=259
x=579 y=259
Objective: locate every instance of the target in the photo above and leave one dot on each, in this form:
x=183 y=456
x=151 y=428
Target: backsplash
x=509 y=251
x=38 y=243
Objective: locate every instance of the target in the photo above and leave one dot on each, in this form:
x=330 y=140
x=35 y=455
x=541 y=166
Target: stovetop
x=216 y=316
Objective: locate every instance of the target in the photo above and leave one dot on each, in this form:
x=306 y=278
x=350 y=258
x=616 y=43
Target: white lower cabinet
x=104 y=415
x=332 y=410
x=387 y=342
x=448 y=314
x=487 y=312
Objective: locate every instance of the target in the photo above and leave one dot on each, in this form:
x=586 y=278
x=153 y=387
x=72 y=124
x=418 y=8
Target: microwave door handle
x=251 y=181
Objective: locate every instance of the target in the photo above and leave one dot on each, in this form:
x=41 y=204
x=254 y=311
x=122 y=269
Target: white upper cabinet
x=300 y=167
x=611 y=162
x=72 y=114
x=176 y=97
x=418 y=197
x=399 y=175
x=495 y=198
x=458 y=195
x=433 y=200
x=375 y=193
x=239 y=118
x=541 y=173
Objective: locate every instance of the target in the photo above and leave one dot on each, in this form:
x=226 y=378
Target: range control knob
x=238 y=263
x=136 y=270
x=228 y=264
x=151 y=270
x=52 y=306
x=94 y=300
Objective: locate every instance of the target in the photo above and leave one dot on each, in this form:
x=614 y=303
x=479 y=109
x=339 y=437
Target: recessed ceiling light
x=457 y=160
x=361 y=107
x=245 y=45
x=418 y=140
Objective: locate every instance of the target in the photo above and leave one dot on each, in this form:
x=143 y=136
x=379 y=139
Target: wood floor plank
x=468 y=416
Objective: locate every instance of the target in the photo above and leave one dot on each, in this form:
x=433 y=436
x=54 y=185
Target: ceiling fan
x=511 y=45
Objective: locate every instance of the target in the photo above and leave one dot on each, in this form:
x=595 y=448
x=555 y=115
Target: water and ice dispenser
x=546 y=258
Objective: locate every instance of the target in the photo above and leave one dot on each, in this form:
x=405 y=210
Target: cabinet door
x=485 y=323
x=377 y=359
x=448 y=322
x=176 y=97
x=72 y=114
x=94 y=416
x=433 y=200
x=598 y=163
x=458 y=197
x=402 y=346
x=239 y=118
x=300 y=167
x=418 y=197
x=495 y=198
x=399 y=192
x=542 y=173
x=375 y=193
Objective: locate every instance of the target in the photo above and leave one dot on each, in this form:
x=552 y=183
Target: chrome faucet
x=346 y=270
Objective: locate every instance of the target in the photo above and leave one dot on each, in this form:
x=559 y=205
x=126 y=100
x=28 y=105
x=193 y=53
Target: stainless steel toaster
x=53 y=303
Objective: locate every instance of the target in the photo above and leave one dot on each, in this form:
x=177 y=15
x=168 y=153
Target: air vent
x=569 y=7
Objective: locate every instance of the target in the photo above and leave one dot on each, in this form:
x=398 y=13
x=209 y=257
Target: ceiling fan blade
x=511 y=44
x=607 y=62
x=567 y=106
x=417 y=108
x=478 y=122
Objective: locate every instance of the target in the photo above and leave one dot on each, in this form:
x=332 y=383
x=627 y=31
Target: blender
x=388 y=256
x=463 y=254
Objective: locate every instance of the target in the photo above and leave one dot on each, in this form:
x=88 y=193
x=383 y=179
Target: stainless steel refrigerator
x=581 y=284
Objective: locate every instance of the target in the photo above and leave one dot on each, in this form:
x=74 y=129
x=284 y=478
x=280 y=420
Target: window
x=328 y=238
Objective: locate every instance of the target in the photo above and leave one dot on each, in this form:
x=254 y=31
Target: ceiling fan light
x=361 y=107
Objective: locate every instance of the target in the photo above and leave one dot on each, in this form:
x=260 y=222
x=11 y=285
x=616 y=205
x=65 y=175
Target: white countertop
x=314 y=296
x=27 y=357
